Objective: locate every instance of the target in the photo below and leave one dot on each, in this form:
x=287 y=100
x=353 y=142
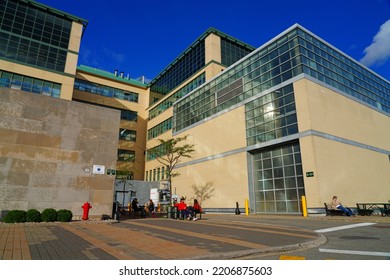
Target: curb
x=264 y=252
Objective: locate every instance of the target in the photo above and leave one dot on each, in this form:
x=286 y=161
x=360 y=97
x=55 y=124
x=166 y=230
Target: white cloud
x=115 y=56
x=379 y=51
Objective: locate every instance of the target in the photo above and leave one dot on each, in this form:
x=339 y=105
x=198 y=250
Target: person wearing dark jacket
x=136 y=208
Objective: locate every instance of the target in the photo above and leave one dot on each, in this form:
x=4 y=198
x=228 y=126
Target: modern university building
x=295 y=117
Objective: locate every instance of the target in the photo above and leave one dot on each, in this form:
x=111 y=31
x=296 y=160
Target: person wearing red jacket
x=196 y=208
x=182 y=208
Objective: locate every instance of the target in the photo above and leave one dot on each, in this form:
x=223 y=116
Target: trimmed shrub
x=64 y=215
x=15 y=216
x=49 y=215
x=33 y=216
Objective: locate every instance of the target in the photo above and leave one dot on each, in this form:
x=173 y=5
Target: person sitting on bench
x=336 y=204
x=136 y=208
x=196 y=209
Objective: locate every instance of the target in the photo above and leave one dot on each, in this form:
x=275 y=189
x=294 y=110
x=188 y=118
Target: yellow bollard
x=304 y=206
x=246 y=207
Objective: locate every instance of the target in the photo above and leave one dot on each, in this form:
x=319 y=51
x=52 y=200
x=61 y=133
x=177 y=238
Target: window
x=127 y=135
x=126 y=155
x=105 y=90
x=38 y=37
x=29 y=84
x=180 y=70
x=160 y=128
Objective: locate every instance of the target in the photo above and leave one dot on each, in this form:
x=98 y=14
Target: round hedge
x=33 y=216
x=15 y=216
x=49 y=215
x=64 y=215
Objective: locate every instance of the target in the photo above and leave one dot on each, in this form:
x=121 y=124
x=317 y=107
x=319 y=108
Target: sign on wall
x=98 y=169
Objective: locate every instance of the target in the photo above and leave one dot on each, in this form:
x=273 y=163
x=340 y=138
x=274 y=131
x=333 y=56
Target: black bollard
x=238 y=212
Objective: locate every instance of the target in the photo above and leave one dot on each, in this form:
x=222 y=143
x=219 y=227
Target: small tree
x=169 y=153
x=203 y=192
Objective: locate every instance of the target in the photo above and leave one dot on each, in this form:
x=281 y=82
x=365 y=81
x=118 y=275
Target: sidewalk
x=214 y=237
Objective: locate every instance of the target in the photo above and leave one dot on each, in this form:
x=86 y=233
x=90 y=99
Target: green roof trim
x=109 y=75
x=44 y=7
x=197 y=41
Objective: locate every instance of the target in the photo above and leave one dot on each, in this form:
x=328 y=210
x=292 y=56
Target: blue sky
x=141 y=38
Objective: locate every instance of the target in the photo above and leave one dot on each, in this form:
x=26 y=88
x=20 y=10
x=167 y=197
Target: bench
x=362 y=209
x=366 y=209
x=386 y=210
x=175 y=214
x=332 y=212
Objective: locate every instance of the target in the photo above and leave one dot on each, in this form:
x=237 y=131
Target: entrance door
x=278 y=179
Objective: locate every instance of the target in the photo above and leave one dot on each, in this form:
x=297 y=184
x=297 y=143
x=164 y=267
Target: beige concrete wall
x=74 y=47
x=48 y=148
x=213 y=48
x=322 y=109
x=213 y=141
x=75 y=37
x=228 y=174
x=219 y=135
x=355 y=174
x=212 y=70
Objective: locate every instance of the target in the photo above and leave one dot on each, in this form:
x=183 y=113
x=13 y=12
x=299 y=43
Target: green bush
x=15 y=216
x=49 y=215
x=64 y=215
x=33 y=216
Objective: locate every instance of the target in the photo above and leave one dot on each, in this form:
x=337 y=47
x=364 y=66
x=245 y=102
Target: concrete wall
x=139 y=126
x=48 y=148
x=219 y=158
x=347 y=147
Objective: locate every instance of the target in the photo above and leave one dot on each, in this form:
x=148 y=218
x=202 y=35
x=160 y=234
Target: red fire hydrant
x=86 y=208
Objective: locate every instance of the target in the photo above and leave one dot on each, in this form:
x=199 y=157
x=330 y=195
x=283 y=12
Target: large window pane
x=283 y=181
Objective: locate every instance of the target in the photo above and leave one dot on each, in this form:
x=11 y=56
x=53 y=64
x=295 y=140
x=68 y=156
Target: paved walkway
x=147 y=239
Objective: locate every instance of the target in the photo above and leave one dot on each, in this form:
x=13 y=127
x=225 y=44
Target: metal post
x=304 y=206
x=246 y=207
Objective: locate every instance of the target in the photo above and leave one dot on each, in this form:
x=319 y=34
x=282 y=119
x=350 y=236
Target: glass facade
x=168 y=103
x=180 y=70
x=271 y=116
x=29 y=84
x=290 y=54
x=105 y=90
x=33 y=35
x=263 y=83
x=331 y=67
x=193 y=59
x=264 y=69
x=233 y=51
x=278 y=179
